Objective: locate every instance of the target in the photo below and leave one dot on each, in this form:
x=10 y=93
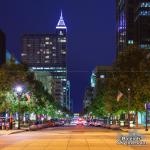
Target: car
x=57 y=122
x=50 y=124
x=81 y=121
x=98 y=123
x=73 y=122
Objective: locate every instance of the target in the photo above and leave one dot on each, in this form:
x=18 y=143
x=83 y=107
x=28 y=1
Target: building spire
x=61 y=16
x=61 y=22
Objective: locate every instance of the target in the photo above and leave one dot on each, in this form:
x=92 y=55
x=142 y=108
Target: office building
x=98 y=82
x=132 y=24
x=99 y=78
x=47 y=53
x=88 y=97
x=2 y=48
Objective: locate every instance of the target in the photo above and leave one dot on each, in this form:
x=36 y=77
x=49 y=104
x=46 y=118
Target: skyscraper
x=142 y=23
x=132 y=24
x=47 y=53
x=2 y=48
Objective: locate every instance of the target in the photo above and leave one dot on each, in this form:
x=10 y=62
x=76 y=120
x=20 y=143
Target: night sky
x=91 y=33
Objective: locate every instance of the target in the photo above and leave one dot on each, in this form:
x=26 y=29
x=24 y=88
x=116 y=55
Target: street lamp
x=19 y=90
x=146 y=122
x=129 y=99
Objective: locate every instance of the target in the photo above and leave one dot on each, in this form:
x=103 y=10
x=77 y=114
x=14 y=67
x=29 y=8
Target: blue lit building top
x=61 y=23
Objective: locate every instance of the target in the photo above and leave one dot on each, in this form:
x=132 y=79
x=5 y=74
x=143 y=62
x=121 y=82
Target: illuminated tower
x=61 y=31
x=47 y=53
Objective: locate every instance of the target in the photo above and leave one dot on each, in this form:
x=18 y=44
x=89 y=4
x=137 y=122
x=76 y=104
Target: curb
x=15 y=132
x=127 y=131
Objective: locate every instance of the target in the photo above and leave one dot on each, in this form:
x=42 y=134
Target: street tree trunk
x=136 y=119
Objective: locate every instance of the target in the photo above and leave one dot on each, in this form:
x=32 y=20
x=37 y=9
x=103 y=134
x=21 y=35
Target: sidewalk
x=140 y=131
x=8 y=132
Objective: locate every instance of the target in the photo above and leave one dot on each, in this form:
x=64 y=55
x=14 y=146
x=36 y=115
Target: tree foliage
x=131 y=76
x=40 y=100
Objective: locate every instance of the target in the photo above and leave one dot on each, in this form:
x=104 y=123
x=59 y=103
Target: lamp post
x=146 y=122
x=129 y=99
x=19 y=90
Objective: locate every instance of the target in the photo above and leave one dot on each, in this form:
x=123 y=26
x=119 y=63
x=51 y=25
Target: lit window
x=145 y=46
x=130 y=42
x=53 y=47
x=145 y=4
x=102 y=76
x=63 y=52
x=47 y=38
x=47 y=43
x=60 y=33
x=62 y=41
x=144 y=13
x=29 y=45
x=46 y=57
x=46 y=61
x=23 y=54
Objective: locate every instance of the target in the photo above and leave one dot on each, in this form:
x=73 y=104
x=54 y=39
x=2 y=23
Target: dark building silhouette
x=132 y=24
x=2 y=48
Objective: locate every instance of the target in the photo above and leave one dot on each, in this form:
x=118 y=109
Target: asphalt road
x=67 y=138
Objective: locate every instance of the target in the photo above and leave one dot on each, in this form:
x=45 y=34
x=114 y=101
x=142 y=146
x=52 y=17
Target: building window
x=60 y=33
x=145 y=46
x=62 y=40
x=47 y=43
x=130 y=42
x=102 y=76
x=63 y=52
x=145 y=5
x=46 y=61
x=29 y=45
x=53 y=47
x=47 y=38
x=144 y=13
x=47 y=57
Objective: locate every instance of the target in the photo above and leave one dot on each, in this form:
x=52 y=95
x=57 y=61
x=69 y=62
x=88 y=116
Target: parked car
x=74 y=122
x=81 y=121
x=57 y=122
x=98 y=123
x=50 y=124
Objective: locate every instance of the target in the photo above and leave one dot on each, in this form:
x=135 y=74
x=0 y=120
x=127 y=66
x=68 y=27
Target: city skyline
x=75 y=16
x=75 y=74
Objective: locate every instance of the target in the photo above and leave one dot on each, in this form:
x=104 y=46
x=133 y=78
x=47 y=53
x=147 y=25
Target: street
x=67 y=138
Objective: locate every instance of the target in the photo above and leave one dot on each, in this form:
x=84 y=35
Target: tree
x=40 y=100
x=131 y=71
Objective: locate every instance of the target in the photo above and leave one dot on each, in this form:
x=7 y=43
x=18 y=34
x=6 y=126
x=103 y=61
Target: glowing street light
x=19 y=90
